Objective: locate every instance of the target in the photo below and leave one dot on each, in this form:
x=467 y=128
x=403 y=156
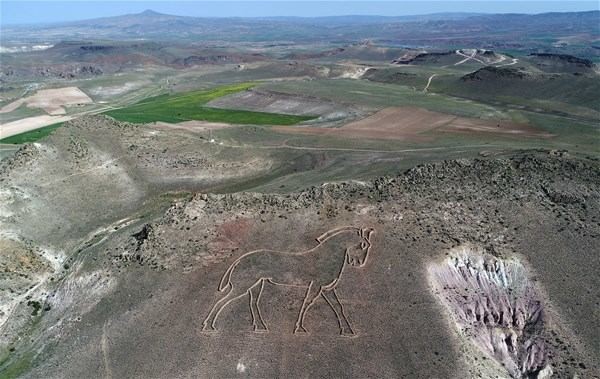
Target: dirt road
x=468 y=57
x=514 y=61
x=429 y=82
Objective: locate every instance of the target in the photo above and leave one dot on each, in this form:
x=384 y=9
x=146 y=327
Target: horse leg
x=255 y=292
x=233 y=294
x=312 y=293
x=334 y=302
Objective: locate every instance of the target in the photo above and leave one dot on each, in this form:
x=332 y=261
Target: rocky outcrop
x=422 y=57
x=60 y=71
x=495 y=305
x=194 y=60
x=495 y=73
x=564 y=58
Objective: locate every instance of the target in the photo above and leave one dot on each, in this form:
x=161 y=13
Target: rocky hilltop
x=476 y=268
x=496 y=73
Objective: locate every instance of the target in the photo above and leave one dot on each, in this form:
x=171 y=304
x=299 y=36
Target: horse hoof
x=300 y=330
x=260 y=330
x=208 y=329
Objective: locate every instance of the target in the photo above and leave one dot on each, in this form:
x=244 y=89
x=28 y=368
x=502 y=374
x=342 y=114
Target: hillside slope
x=154 y=284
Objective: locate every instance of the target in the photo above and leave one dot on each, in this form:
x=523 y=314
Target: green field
x=190 y=106
x=31 y=136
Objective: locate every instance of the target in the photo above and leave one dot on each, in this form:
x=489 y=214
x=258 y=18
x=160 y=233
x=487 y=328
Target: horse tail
x=226 y=279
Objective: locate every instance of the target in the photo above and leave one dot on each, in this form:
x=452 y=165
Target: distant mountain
x=148 y=17
x=365 y=20
x=509 y=31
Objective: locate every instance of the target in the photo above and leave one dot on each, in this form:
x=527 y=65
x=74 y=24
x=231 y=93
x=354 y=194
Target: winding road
x=468 y=57
x=429 y=82
x=514 y=61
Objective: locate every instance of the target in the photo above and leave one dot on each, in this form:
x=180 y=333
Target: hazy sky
x=18 y=12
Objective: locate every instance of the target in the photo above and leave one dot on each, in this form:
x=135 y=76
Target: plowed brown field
x=412 y=124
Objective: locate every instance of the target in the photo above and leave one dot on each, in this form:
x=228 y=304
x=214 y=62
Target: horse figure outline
x=319 y=270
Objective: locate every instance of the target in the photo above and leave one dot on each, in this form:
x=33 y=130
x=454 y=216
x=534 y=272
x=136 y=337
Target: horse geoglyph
x=318 y=270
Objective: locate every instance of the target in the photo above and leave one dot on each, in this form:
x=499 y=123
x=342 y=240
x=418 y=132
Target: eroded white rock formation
x=495 y=305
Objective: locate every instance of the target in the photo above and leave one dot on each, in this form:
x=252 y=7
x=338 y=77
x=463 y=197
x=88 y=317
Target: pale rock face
x=495 y=305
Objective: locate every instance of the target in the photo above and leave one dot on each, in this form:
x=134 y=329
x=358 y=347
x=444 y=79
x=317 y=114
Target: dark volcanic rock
x=563 y=63
x=96 y=48
x=422 y=57
x=495 y=73
x=582 y=62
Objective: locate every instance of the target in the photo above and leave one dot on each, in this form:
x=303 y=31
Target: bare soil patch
x=51 y=101
x=192 y=125
x=118 y=89
x=472 y=125
x=276 y=102
x=29 y=123
x=411 y=124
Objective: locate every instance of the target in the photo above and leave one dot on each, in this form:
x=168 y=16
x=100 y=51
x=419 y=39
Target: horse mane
x=334 y=232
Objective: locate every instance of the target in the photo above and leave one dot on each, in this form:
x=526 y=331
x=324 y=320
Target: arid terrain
x=352 y=197
x=413 y=124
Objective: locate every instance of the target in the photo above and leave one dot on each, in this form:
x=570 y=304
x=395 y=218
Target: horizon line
x=149 y=10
